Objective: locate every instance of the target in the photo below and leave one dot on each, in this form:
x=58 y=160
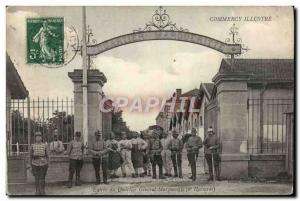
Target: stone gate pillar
x=232 y=96
x=96 y=80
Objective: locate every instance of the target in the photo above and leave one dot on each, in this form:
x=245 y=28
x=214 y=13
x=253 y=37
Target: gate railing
x=267 y=125
x=25 y=117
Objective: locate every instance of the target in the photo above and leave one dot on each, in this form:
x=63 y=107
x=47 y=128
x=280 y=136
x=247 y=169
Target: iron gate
x=267 y=125
x=44 y=115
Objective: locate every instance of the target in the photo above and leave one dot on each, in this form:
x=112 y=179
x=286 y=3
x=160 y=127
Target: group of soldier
x=140 y=154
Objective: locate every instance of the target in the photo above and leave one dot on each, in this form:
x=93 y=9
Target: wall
x=266 y=166
x=211 y=116
x=58 y=170
x=201 y=130
x=271 y=93
x=17 y=169
x=8 y=118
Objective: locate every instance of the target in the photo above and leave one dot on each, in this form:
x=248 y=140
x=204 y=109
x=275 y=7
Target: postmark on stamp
x=45 y=40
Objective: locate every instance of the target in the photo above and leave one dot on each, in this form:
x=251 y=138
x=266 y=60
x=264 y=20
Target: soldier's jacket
x=99 y=149
x=39 y=154
x=193 y=144
x=209 y=142
x=75 y=150
x=112 y=144
x=175 y=145
x=155 y=146
x=138 y=144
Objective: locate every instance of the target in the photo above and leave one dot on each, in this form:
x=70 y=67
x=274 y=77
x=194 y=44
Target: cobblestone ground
x=169 y=186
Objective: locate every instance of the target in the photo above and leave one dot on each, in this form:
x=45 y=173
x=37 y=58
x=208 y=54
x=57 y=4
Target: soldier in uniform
x=176 y=146
x=166 y=154
x=100 y=157
x=155 y=148
x=193 y=144
x=56 y=147
x=138 y=146
x=75 y=152
x=211 y=145
x=39 y=159
x=126 y=146
x=146 y=158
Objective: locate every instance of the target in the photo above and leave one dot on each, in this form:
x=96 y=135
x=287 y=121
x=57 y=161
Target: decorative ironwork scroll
x=234 y=39
x=161 y=21
x=162 y=28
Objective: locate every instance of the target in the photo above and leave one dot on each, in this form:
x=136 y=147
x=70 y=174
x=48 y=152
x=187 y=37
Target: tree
x=118 y=124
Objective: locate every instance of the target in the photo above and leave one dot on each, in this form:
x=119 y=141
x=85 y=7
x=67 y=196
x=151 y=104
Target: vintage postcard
x=150 y=101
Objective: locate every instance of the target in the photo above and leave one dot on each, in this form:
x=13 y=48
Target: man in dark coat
x=176 y=147
x=155 y=148
x=75 y=152
x=193 y=144
x=100 y=157
x=212 y=145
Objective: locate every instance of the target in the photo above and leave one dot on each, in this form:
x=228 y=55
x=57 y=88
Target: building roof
x=193 y=92
x=281 y=70
x=160 y=114
x=14 y=81
x=207 y=89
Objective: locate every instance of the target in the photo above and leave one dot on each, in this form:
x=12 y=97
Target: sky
x=151 y=68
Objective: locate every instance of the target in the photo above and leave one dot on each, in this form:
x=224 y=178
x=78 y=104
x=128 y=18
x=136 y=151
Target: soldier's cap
x=38 y=133
x=210 y=129
x=77 y=133
x=175 y=133
x=98 y=133
x=155 y=132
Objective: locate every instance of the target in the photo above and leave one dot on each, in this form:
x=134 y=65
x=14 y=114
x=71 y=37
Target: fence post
x=28 y=123
x=261 y=124
x=261 y=118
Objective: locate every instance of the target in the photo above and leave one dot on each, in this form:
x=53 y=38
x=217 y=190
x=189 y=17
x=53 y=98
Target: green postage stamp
x=45 y=40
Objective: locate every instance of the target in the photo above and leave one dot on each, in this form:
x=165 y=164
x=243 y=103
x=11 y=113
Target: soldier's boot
x=77 y=182
x=70 y=181
x=153 y=172
x=105 y=180
x=37 y=186
x=193 y=172
x=175 y=170
x=42 y=186
x=97 y=174
x=161 y=176
x=98 y=181
x=180 y=172
x=210 y=175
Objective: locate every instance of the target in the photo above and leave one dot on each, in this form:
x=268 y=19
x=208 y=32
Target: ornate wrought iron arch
x=162 y=28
